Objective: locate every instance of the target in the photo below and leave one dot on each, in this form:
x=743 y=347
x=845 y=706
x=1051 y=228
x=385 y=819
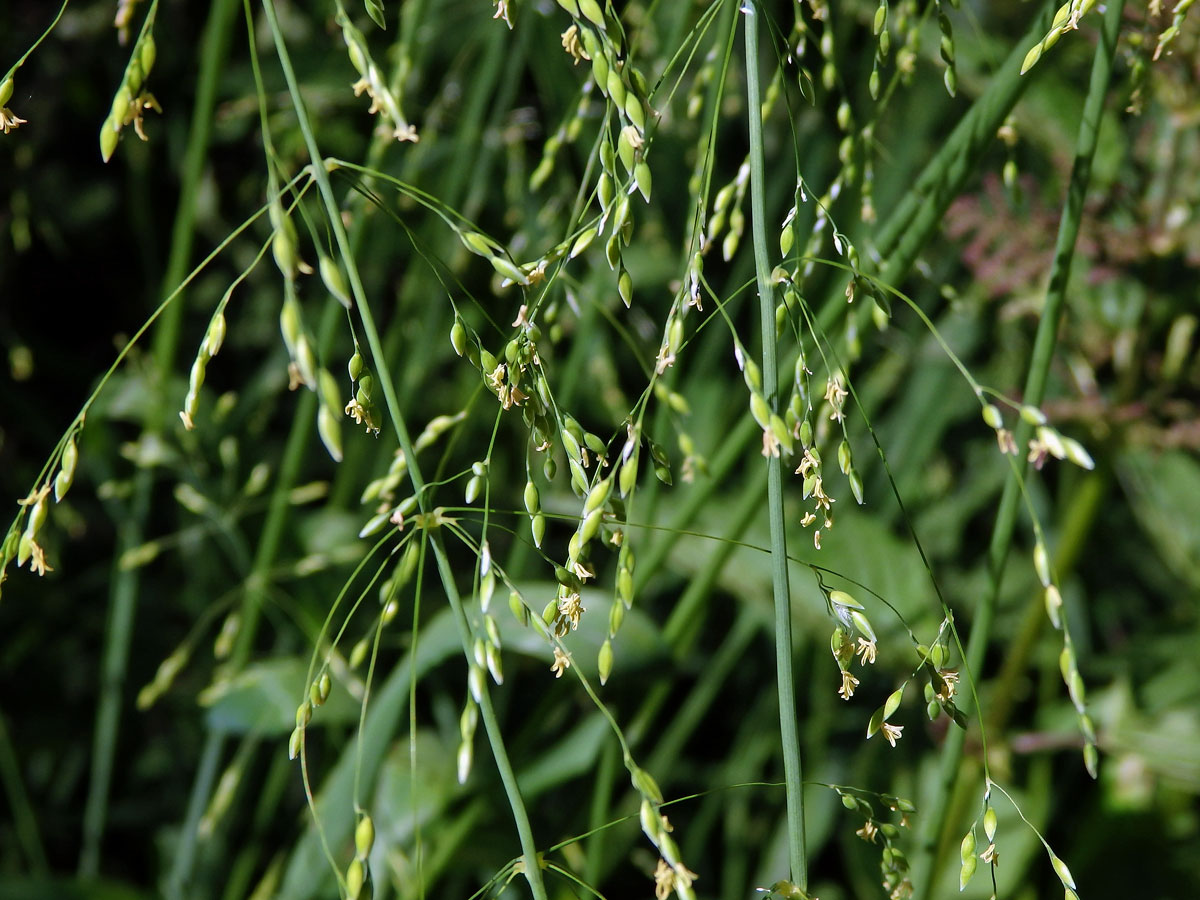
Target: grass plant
x=633 y=363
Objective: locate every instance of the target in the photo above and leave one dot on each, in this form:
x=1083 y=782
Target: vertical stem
x=533 y=871
x=118 y=635
x=789 y=731
x=1035 y=388
x=202 y=788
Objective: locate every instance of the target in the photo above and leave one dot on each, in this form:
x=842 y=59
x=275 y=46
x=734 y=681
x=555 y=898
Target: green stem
x=789 y=731
x=118 y=633
x=202 y=788
x=533 y=872
x=934 y=812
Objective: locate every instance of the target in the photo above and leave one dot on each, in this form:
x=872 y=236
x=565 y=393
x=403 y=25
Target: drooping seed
x=329 y=426
x=760 y=410
x=66 y=474
x=1076 y=453
x=604 y=661
x=294 y=743
x=782 y=433
x=1033 y=415
x=597 y=496
x=364 y=836
x=390 y=610
x=578 y=477
x=214 y=338
x=476 y=683
x=468 y=721
x=1063 y=872
x=625 y=586
x=616 y=615
x=967 y=857
x=356 y=876
x=591 y=11
x=518 y=608
x=283 y=247
x=582 y=242
x=644 y=784
x=120 y=105
x=509 y=270
x=1041 y=563
x=863 y=624
x=616 y=88
x=331 y=275
x=635 y=113
x=628 y=475
x=493 y=663
x=474 y=486
x=590 y=526
x=466 y=755
x=893 y=702
x=477 y=243
x=625 y=287
x=856 y=485
x=147 y=53
x=600 y=69
x=458 y=337
x=1053 y=601
x=651 y=821
x=110 y=134
x=644 y=180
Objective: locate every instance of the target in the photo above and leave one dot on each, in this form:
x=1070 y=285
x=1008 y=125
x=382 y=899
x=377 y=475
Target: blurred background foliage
x=163 y=534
